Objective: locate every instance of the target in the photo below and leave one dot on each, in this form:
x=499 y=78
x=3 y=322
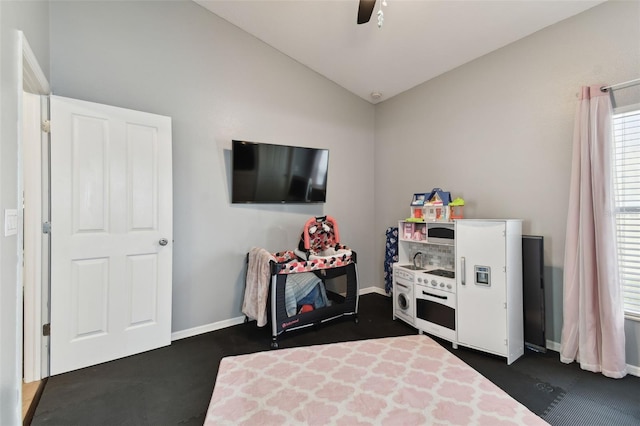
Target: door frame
x=35 y=290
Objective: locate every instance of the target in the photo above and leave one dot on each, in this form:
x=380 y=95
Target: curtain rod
x=620 y=85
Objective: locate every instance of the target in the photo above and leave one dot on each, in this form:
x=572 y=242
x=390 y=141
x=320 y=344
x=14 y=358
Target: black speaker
x=533 y=292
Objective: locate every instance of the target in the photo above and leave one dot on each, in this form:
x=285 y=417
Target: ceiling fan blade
x=365 y=9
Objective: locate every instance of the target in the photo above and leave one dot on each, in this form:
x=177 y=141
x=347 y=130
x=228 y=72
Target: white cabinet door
x=481 y=311
x=111 y=210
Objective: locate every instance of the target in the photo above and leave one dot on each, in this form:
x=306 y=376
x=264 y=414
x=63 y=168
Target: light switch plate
x=10 y=222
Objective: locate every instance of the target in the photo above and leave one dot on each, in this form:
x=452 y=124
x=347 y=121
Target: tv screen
x=268 y=173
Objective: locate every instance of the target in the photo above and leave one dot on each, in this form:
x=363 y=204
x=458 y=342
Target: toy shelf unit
x=430 y=245
x=412 y=231
x=427 y=232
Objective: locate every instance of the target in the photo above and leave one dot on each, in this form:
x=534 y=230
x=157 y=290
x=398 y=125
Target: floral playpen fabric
x=390 y=257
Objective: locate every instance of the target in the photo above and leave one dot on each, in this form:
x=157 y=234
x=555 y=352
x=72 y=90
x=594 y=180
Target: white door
x=482 y=309
x=111 y=233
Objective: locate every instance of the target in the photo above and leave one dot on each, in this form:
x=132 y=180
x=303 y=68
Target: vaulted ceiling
x=418 y=39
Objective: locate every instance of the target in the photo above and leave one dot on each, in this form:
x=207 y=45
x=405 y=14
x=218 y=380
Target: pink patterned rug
x=409 y=380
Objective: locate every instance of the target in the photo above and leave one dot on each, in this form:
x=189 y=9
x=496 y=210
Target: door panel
x=142 y=153
x=89 y=288
x=90 y=174
x=142 y=270
x=111 y=204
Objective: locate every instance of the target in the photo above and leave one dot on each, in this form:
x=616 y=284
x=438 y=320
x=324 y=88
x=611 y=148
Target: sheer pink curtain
x=593 y=326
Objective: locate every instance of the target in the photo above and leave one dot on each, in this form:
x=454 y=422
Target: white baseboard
x=377 y=290
x=633 y=370
x=554 y=346
x=183 y=334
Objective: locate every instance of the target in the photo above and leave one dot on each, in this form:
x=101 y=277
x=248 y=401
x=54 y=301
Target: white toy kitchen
x=461 y=280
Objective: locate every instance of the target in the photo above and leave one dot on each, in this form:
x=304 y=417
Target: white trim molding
x=34 y=357
x=633 y=370
x=376 y=290
x=190 y=332
x=554 y=346
x=34 y=80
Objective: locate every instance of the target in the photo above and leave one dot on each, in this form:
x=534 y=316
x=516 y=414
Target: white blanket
x=256 y=291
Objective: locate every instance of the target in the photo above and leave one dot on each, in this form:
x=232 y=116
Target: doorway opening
x=33 y=245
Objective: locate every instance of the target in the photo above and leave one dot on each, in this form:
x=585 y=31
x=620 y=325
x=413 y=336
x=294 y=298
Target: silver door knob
x=163 y=242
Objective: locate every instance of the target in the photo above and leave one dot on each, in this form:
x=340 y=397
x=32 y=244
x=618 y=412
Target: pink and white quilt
x=408 y=380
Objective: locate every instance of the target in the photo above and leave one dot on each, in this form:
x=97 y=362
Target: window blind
x=626 y=136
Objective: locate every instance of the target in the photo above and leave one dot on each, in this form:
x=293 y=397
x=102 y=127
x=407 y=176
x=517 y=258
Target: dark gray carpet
x=561 y=394
x=596 y=400
x=173 y=385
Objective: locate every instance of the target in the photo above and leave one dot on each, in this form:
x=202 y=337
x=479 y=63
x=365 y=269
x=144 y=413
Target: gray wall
x=33 y=19
x=498 y=133
x=218 y=83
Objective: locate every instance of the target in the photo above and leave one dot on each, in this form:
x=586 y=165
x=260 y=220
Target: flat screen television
x=268 y=173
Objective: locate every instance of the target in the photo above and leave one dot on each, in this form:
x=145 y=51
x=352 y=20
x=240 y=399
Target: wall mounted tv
x=267 y=173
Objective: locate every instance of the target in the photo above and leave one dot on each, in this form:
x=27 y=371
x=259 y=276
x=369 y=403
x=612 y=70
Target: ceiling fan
x=365 y=10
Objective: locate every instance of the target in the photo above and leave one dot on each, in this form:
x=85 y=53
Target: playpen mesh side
x=349 y=306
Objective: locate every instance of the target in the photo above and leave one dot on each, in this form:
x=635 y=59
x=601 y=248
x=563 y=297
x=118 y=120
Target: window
x=626 y=138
